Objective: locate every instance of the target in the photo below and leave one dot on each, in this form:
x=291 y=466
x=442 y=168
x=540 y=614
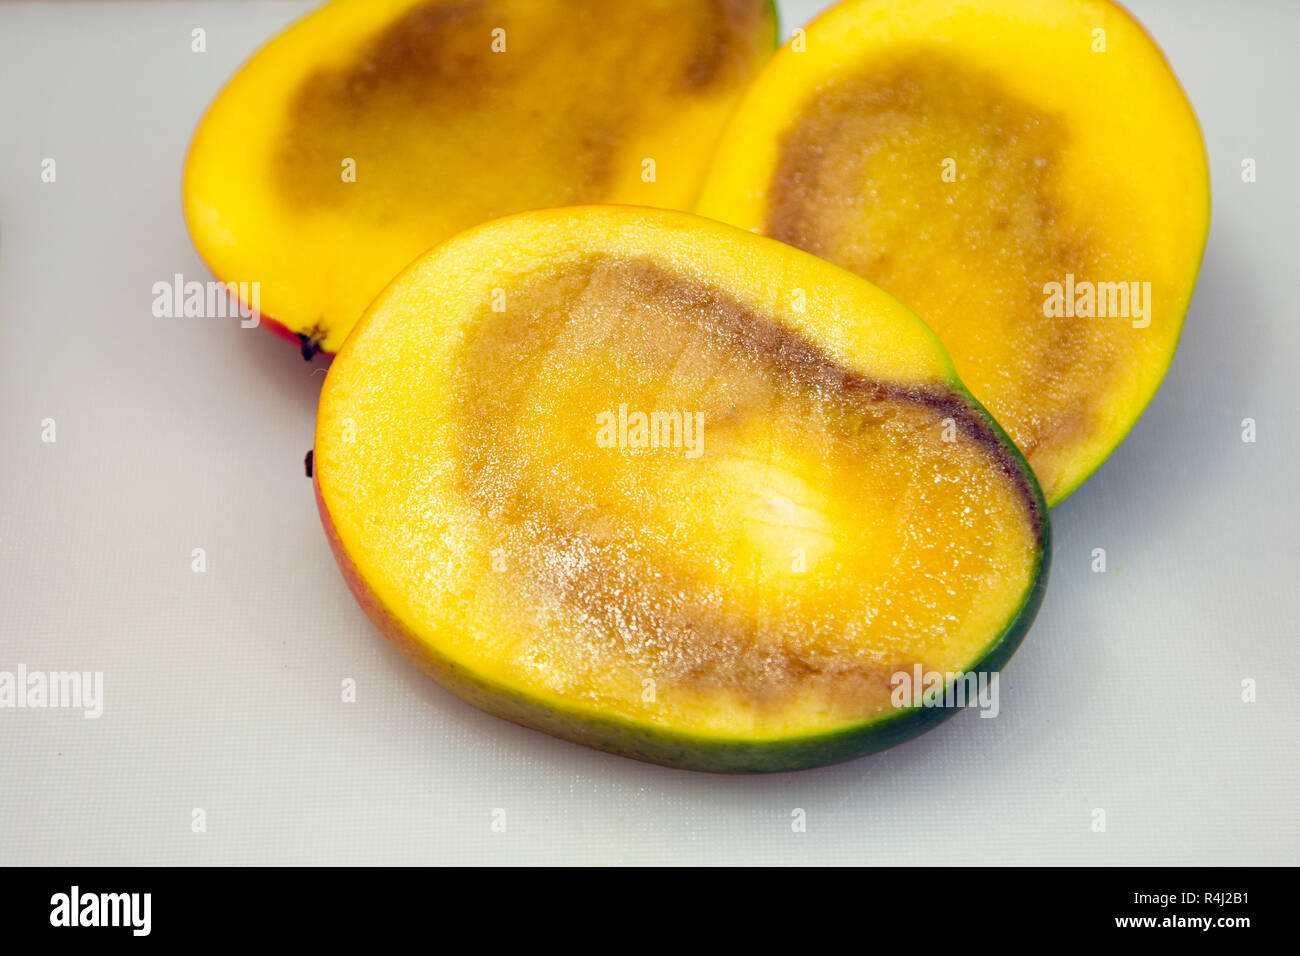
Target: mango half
x=1027 y=175
x=660 y=486
x=374 y=129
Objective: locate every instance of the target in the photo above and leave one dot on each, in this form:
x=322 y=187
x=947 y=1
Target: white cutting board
x=222 y=689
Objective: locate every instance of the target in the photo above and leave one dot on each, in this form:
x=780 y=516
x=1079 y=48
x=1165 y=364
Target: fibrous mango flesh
x=661 y=486
x=1026 y=175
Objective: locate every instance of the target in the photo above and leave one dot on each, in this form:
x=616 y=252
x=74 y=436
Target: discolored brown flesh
x=434 y=69
x=827 y=532
x=859 y=183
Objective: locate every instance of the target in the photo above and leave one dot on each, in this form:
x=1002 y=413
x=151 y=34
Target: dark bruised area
x=858 y=182
x=615 y=546
x=434 y=60
x=726 y=41
x=435 y=57
x=435 y=118
x=850 y=127
x=977 y=426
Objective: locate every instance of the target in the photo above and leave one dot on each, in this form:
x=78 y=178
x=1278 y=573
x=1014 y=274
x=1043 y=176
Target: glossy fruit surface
x=658 y=485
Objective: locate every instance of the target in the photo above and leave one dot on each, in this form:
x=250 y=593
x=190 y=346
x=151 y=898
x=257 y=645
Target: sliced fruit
x=373 y=129
x=658 y=485
x=1025 y=174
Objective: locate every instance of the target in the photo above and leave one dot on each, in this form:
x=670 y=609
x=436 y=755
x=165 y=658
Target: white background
x=222 y=689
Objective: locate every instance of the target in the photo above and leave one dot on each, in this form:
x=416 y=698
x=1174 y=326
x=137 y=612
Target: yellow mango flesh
x=374 y=129
x=966 y=158
x=816 y=506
